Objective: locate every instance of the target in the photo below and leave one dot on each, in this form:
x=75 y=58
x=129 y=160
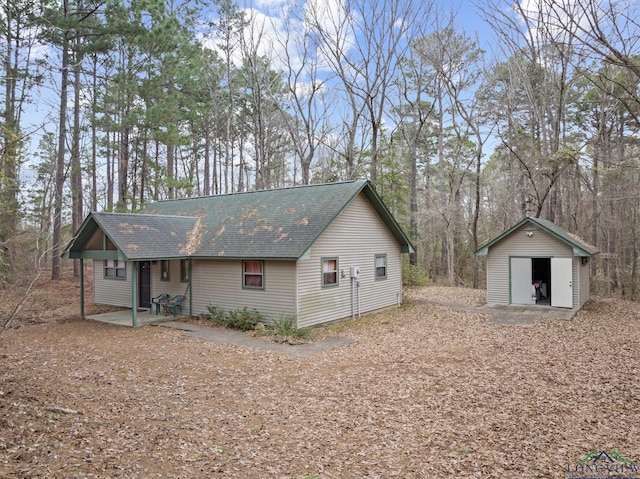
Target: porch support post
x=134 y=293
x=190 y=289
x=82 y=287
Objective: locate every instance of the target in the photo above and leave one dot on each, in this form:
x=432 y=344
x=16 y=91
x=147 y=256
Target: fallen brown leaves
x=426 y=391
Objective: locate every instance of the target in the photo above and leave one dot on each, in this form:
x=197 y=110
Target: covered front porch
x=124 y=249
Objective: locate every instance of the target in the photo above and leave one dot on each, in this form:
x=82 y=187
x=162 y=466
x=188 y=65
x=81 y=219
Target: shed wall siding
x=541 y=244
x=355 y=238
x=115 y=292
x=219 y=283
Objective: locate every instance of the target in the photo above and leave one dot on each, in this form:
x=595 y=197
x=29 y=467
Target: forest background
x=108 y=105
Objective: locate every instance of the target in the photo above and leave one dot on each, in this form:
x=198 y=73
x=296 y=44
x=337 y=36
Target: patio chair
x=159 y=300
x=174 y=304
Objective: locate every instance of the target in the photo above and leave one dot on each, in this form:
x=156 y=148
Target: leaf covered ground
x=426 y=391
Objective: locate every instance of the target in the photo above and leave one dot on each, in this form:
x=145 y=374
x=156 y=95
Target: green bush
x=286 y=327
x=216 y=316
x=413 y=275
x=244 y=319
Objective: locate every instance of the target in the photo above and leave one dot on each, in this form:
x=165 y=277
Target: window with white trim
x=114 y=269
x=330 y=272
x=381 y=266
x=253 y=274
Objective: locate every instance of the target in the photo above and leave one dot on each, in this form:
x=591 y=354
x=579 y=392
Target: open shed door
x=520 y=280
x=562 y=282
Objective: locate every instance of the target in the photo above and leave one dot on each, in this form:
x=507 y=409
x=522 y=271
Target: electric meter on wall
x=355 y=271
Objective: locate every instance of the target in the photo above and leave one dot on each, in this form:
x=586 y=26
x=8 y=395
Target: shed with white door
x=537 y=262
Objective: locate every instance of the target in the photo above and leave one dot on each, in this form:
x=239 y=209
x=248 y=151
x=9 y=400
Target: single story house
x=537 y=262
x=319 y=253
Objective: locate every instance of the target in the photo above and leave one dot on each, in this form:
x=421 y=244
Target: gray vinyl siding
x=172 y=287
x=114 y=292
x=355 y=238
x=541 y=244
x=219 y=283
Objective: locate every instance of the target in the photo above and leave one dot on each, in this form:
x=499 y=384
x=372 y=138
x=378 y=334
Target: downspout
x=134 y=293
x=190 y=288
x=82 y=288
x=353 y=313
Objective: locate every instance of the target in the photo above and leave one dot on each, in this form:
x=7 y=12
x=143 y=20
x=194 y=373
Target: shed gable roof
x=579 y=246
x=269 y=224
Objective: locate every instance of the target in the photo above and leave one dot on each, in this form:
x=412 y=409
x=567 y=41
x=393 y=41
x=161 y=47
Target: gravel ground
x=426 y=391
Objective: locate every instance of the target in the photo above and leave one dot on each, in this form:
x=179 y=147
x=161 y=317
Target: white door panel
x=562 y=282
x=520 y=280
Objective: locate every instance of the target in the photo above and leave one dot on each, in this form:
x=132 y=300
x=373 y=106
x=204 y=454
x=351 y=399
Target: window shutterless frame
x=115 y=269
x=380 y=266
x=329 y=272
x=164 y=270
x=184 y=270
x=253 y=274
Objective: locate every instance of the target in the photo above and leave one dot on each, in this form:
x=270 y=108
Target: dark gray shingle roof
x=269 y=224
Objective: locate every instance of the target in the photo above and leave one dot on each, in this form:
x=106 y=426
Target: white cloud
x=549 y=20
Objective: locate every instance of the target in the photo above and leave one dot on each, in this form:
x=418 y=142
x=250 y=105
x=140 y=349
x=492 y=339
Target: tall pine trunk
x=56 y=273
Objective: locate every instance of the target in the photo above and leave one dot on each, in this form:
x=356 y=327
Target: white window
x=381 y=266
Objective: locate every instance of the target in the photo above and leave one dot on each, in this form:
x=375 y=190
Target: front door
x=144 y=284
x=562 y=282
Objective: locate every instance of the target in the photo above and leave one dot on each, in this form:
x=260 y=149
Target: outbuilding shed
x=537 y=262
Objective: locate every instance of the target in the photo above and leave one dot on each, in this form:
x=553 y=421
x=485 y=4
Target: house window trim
x=244 y=275
x=168 y=263
x=184 y=271
x=116 y=267
x=337 y=272
x=375 y=267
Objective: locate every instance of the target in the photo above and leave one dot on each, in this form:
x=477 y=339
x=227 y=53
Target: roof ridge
x=113 y=213
x=236 y=193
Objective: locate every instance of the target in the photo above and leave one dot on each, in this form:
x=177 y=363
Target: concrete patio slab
x=124 y=318
x=514 y=314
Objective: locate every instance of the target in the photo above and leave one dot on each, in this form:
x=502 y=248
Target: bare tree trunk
x=171 y=169
x=56 y=273
x=207 y=159
x=76 y=167
x=94 y=139
x=110 y=171
x=123 y=169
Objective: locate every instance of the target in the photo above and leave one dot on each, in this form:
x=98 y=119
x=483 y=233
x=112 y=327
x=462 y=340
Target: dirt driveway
x=424 y=391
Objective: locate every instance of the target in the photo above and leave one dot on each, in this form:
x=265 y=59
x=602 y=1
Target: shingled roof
x=580 y=246
x=269 y=224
